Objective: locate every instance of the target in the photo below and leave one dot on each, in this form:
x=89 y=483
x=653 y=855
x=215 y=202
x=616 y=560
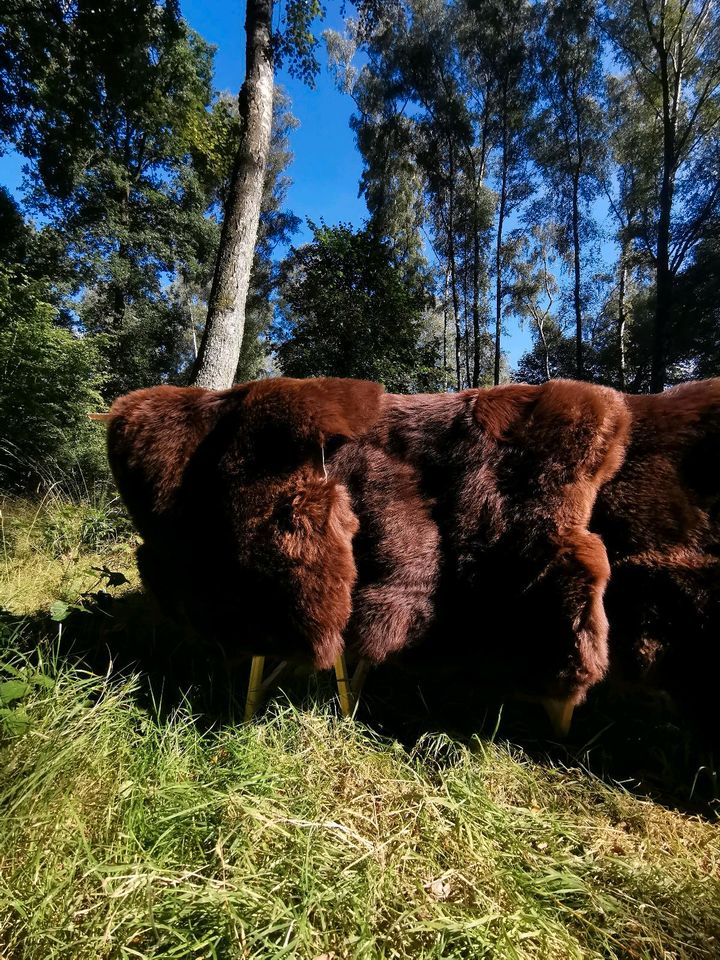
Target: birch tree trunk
x=222 y=338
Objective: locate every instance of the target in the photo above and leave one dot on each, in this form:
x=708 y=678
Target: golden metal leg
x=560 y=713
x=345 y=694
x=255 y=687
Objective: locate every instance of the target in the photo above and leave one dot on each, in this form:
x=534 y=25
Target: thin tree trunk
x=498 y=267
x=664 y=280
x=546 y=352
x=476 y=308
x=664 y=276
x=465 y=314
x=445 y=326
x=622 y=320
x=222 y=338
x=577 y=299
x=453 y=272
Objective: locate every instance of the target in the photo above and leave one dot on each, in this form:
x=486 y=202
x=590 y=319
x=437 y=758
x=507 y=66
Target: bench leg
x=345 y=693
x=358 y=678
x=348 y=689
x=560 y=713
x=255 y=687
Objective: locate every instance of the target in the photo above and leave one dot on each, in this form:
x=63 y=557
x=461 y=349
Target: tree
x=501 y=47
x=49 y=382
x=222 y=339
x=694 y=335
x=125 y=147
x=570 y=133
x=427 y=128
x=532 y=366
x=348 y=311
x=277 y=226
x=534 y=291
x=133 y=198
x=221 y=345
x=671 y=50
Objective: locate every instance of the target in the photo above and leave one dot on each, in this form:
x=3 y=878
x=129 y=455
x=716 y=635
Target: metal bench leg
x=345 y=693
x=255 y=687
x=560 y=713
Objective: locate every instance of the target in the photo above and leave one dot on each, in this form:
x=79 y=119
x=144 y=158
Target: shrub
x=49 y=382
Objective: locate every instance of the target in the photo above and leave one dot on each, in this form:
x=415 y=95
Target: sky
x=327 y=166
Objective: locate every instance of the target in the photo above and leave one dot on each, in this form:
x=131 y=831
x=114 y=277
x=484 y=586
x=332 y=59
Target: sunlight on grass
x=48 y=549
x=303 y=834
x=131 y=833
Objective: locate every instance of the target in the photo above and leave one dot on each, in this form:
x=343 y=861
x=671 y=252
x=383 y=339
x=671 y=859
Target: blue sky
x=327 y=166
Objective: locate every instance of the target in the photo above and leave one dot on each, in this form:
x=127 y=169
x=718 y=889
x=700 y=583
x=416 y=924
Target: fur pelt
x=511 y=475
x=456 y=498
x=292 y=517
x=244 y=534
x=659 y=518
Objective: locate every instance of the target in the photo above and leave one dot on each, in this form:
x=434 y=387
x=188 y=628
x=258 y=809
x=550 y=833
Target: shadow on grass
x=631 y=737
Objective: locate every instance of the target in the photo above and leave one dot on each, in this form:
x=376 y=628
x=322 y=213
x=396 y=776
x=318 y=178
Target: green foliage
x=131 y=156
x=694 y=338
x=49 y=382
x=127 y=151
x=349 y=311
x=88 y=526
x=561 y=352
x=295 y=43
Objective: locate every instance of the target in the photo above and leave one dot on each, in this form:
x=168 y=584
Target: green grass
x=48 y=548
x=133 y=829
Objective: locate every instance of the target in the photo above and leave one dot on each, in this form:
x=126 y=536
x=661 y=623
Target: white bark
x=222 y=339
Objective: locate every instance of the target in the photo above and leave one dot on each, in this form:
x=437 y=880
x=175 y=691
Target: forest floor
x=141 y=819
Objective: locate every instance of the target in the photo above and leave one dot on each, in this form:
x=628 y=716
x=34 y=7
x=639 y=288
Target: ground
x=140 y=819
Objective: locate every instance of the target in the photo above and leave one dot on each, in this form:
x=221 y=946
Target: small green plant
x=16 y=685
x=83 y=526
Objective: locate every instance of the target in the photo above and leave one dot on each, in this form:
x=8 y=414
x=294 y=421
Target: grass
x=138 y=825
x=51 y=549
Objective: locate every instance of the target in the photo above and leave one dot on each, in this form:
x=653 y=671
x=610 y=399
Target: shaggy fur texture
x=660 y=520
x=477 y=527
x=456 y=498
x=241 y=525
x=510 y=476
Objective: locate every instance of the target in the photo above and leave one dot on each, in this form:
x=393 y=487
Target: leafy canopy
x=349 y=310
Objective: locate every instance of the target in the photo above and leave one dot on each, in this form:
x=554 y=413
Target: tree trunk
x=476 y=307
x=664 y=282
x=664 y=276
x=622 y=319
x=445 y=326
x=540 y=324
x=577 y=299
x=222 y=338
x=466 y=314
x=498 y=267
x=453 y=271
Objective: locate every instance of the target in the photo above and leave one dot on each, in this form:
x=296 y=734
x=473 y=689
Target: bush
x=49 y=382
x=350 y=309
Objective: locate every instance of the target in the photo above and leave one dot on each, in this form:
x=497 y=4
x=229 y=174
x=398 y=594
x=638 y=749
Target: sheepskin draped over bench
x=295 y=518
